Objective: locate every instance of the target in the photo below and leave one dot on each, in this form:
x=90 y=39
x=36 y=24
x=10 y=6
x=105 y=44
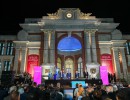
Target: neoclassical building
x=69 y=40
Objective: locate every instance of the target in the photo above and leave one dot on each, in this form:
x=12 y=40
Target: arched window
x=80 y=67
x=69 y=66
x=59 y=63
x=69 y=44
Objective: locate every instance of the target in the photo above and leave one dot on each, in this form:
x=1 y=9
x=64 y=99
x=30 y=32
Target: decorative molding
x=106 y=44
x=48 y=30
x=91 y=31
x=118 y=43
x=53 y=16
x=6 y=57
x=20 y=44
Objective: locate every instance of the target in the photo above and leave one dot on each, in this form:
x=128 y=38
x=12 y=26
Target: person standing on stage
x=114 y=77
x=61 y=74
x=69 y=75
x=49 y=76
x=58 y=75
x=65 y=76
x=54 y=76
x=109 y=77
x=84 y=73
x=76 y=75
x=87 y=75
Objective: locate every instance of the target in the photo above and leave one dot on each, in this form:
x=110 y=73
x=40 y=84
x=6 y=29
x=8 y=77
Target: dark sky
x=14 y=12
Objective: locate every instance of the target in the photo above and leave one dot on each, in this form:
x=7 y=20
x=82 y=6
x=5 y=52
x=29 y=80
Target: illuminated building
x=68 y=39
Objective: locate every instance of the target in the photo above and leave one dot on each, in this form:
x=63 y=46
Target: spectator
x=122 y=95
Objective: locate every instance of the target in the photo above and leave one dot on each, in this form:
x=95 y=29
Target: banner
x=37 y=74
x=106 y=60
x=104 y=75
x=33 y=60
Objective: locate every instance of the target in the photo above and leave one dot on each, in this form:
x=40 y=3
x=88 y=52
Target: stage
x=68 y=81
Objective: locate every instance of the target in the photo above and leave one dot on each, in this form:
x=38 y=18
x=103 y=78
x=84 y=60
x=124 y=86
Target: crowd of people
x=103 y=92
x=25 y=89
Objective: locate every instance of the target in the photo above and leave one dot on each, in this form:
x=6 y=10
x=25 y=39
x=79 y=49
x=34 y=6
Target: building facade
x=69 y=40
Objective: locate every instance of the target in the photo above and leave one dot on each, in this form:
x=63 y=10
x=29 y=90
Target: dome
x=69 y=44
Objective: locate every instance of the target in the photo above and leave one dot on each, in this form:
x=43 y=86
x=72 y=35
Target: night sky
x=14 y=12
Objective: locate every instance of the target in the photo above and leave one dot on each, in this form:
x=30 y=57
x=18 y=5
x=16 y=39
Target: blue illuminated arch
x=69 y=44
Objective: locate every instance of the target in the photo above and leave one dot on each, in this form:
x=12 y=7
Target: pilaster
x=116 y=61
x=91 y=45
x=17 y=50
x=20 y=55
x=45 y=54
x=23 y=61
x=48 y=46
x=87 y=46
x=94 y=52
x=52 y=48
x=125 y=70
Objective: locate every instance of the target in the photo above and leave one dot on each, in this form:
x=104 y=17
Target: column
x=52 y=47
x=41 y=50
x=116 y=61
x=23 y=60
x=45 y=53
x=87 y=46
x=83 y=52
x=94 y=53
x=56 y=55
x=91 y=45
x=16 y=59
x=125 y=70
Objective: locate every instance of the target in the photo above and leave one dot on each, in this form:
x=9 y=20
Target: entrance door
x=80 y=67
x=68 y=70
x=69 y=66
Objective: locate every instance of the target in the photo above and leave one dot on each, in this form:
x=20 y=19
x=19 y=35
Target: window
x=6 y=65
x=9 y=49
x=68 y=44
x=59 y=63
x=2 y=48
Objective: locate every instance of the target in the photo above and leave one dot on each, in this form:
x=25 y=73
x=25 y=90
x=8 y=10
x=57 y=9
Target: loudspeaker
x=7 y=77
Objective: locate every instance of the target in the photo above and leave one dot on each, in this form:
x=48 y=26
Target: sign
x=33 y=60
x=37 y=74
x=106 y=60
x=104 y=75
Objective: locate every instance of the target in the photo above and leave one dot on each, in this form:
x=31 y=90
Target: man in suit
x=76 y=75
x=61 y=74
x=87 y=75
x=84 y=73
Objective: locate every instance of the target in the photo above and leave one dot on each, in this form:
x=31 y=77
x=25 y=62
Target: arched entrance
x=69 y=66
x=69 y=49
x=80 y=67
x=59 y=63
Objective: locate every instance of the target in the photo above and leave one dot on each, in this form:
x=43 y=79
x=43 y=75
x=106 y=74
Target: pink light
x=104 y=75
x=37 y=74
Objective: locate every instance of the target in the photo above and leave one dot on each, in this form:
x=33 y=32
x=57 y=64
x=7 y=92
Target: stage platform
x=68 y=82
